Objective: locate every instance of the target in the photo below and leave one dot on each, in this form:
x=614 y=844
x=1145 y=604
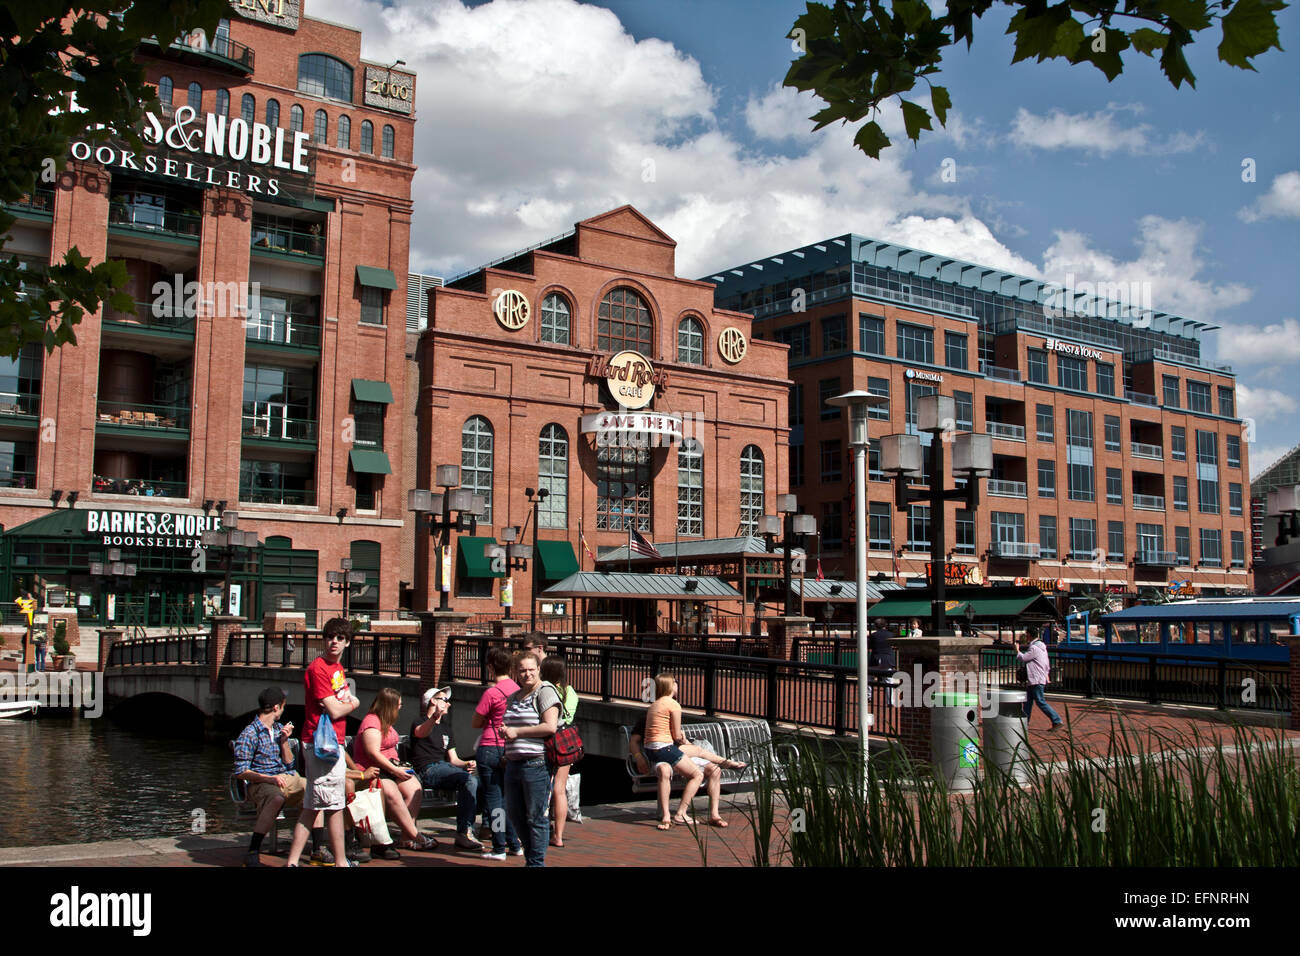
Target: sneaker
x=517 y=851
x=322 y=857
x=357 y=855
x=467 y=841
x=384 y=852
x=253 y=859
x=1058 y=726
x=493 y=855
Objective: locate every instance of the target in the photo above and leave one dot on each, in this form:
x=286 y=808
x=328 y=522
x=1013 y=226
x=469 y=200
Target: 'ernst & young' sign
x=214 y=152
x=278 y=13
x=630 y=378
x=1069 y=348
x=150 y=529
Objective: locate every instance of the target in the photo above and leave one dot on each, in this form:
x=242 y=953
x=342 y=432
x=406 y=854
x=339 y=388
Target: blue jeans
x=443 y=776
x=492 y=779
x=1036 y=697
x=40 y=657
x=528 y=785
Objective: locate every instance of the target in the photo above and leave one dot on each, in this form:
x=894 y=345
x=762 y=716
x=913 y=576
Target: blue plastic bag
x=325 y=742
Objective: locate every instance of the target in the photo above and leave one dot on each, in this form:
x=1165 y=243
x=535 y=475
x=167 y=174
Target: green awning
x=376 y=278
x=992 y=606
x=470 y=560
x=63 y=521
x=365 y=390
x=557 y=560
x=366 y=462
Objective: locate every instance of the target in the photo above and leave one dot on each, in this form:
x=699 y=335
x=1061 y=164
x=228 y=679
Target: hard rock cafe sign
x=732 y=344
x=511 y=309
x=630 y=378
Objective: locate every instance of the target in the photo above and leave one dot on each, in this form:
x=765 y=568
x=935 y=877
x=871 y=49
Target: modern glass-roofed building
x=1118 y=455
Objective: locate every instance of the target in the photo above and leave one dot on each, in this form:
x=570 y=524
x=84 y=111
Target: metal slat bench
x=748 y=741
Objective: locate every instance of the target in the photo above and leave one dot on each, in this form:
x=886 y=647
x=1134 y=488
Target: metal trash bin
x=955 y=738
x=1006 y=744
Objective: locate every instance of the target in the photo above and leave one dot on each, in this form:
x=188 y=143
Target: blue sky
x=536 y=113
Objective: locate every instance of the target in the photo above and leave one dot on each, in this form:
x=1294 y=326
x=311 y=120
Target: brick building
x=524 y=367
x=1119 y=462
x=265 y=228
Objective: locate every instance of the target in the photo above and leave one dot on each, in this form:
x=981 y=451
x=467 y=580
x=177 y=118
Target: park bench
x=747 y=741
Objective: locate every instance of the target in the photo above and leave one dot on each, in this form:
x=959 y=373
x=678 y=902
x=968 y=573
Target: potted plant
x=63 y=657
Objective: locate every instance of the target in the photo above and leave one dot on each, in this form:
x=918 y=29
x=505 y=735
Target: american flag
x=586 y=547
x=820 y=576
x=638 y=543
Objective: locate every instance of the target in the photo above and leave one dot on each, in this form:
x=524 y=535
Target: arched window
x=248 y=108
x=387 y=144
x=623 y=323
x=321 y=129
x=223 y=103
x=476 y=461
x=194 y=99
x=690 y=488
x=273 y=113
x=751 y=489
x=553 y=475
x=555 y=319
x=622 y=488
x=295 y=118
x=367 y=137
x=690 y=342
x=344 y=135
x=322 y=75
x=165 y=91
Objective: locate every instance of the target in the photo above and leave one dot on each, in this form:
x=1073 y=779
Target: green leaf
x=871 y=139
x=1249 y=29
x=915 y=119
x=1175 y=65
x=941 y=102
x=1147 y=41
x=1036 y=34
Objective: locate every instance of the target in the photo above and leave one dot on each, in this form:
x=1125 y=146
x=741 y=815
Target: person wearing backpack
x=1037 y=668
x=489 y=755
x=554 y=673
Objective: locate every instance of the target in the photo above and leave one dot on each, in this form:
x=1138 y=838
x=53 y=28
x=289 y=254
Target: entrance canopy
x=625 y=584
x=557 y=560
x=985 y=604
x=840 y=592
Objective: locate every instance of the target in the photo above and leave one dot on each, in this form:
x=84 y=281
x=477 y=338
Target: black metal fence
x=182 y=649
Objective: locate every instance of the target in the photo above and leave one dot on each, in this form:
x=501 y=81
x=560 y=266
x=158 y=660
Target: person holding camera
x=439 y=767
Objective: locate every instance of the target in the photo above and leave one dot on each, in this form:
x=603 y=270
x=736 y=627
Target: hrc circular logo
x=511 y=309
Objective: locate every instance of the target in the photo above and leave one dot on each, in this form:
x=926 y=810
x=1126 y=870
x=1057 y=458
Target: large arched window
x=690 y=341
x=295 y=118
x=165 y=91
x=248 y=108
x=623 y=323
x=690 y=488
x=367 y=137
x=751 y=489
x=343 y=138
x=273 y=113
x=321 y=128
x=322 y=75
x=622 y=488
x=553 y=475
x=223 y=102
x=555 y=319
x=476 y=460
x=194 y=98
x=387 y=143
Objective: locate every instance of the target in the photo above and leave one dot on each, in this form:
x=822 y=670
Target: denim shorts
x=669 y=755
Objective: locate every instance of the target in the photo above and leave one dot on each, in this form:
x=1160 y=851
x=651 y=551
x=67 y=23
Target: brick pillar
x=224 y=627
x=918 y=659
x=508 y=629
x=107 y=637
x=436 y=631
x=1294 y=641
x=782 y=632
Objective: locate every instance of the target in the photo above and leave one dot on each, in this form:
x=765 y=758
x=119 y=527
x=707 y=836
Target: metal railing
x=276 y=496
x=1161 y=354
x=1156 y=559
x=17 y=479
x=152 y=315
x=1002 y=430
x=277 y=427
x=20 y=403
x=1149 y=502
x=144 y=416
x=268 y=238
x=1000 y=373
x=181 y=649
x=144 y=487
x=283 y=328
x=1143 y=450
x=154 y=219
x=221 y=46
x=1008 y=489
x=1141 y=398
x=39 y=200
x=1015 y=549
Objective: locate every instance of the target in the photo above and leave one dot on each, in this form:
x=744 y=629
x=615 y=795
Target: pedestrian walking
x=1037 y=667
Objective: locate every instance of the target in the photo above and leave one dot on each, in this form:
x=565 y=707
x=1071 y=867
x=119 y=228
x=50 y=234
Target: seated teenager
x=264 y=760
x=439 y=767
x=376 y=746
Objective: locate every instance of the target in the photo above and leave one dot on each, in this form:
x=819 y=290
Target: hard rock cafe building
x=265 y=229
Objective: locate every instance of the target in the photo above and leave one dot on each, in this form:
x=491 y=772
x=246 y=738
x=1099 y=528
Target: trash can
x=955 y=738
x=1005 y=743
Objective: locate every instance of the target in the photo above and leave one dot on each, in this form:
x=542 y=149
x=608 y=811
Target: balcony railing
x=1156 y=559
x=1002 y=430
x=144 y=416
x=277 y=426
x=1161 y=354
x=155 y=316
x=1008 y=489
x=196 y=47
x=20 y=403
x=1015 y=549
x=39 y=200
x=144 y=487
x=1141 y=398
x=1000 y=373
x=283 y=328
x=17 y=479
x=276 y=496
x=154 y=219
x=1149 y=502
x=1143 y=450
x=267 y=238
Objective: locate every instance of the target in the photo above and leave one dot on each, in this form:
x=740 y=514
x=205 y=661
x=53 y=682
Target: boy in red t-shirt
x=327 y=691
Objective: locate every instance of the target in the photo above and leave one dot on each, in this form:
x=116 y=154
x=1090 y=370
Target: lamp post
x=342 y=580
x=794 y=527
x=535 y=498
x=511 y=555
x=438 y=507
x=857 y=403
x=228 y=537
x=113 y=568
x=972 y=458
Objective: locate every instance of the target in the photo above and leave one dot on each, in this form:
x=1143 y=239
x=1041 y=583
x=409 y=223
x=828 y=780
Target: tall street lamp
x=796 y=528
x=972 y=459
x=541 y=494
x=228 y=537
x=510 y=556
x=468 y=506
x=343 y=580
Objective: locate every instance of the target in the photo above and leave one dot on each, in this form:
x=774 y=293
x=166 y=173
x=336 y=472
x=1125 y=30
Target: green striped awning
x=366 y=462
x=366 y=390
x=376 y=278
x=901 y=603
x=557 y=560
x=471 y=562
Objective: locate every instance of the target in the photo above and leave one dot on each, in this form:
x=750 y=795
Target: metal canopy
x=1244 y=610
x=627 y=584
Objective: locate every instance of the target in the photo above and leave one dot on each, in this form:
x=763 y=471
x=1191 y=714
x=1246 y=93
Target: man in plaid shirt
x=264 y=760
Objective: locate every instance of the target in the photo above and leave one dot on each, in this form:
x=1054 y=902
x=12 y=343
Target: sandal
x=684 y=821
x=422 y=842
x=718 y=822
x=664 y=825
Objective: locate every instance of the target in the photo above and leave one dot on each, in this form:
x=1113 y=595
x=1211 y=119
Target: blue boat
x=1254 y=629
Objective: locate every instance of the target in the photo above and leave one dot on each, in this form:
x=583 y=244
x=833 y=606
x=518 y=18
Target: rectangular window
x=1234 y=498
x=1150 y=538
x=1046 y=425
x=918 y=528
x=1171 y=391
x=955 y=350
x=1211 y=547
x=1198 y=396
x=915 y=343
x=832 y=525
x=965 y=410
x=1238 y=549
x=871 y=334
x=832 y=462
x=1227 y=402
x=623 y=488
x=1083 y=539
x=873 y=461
x=796 y=405
x=828 y=388
x=1114 y=486
x=1038 y=367
x=965 y=542
x=798 y=338
x=1207 y=472
x=1177 y=442
x=1180 y=492
x=1046 y=478
x=1105 y=378
x=1233 y=444
x=796 y=465
x=369 y=422
x=835 y=336
x=372 y=305
x=1115 y=541
x=1072 y=373
x=1007 y=527
x=879 y=386
x=1078 y=455
x=1183 y=545
x=878 y=530
x=1047 y=536
x=914 y=393
x=1112 y=433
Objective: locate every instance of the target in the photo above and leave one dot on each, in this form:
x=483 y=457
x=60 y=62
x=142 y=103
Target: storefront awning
x=471 y=562
x=64 y=521
x=366 y=390
x=984 y=607
x=366 y=462
x=627 y=584
x=376 y=278
x=557 y=560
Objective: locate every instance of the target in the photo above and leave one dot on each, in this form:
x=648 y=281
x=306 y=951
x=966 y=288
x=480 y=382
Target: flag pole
x=629 y=547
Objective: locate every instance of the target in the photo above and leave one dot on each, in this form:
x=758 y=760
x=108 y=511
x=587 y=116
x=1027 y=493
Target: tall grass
x=1178 y=801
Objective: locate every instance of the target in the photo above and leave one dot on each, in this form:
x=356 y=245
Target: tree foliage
x=858 y=54
x=51 y=51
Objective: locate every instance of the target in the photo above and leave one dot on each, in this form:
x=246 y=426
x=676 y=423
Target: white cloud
x=1265 y=404
x=1255 y=344
x=1262 y=456
x=1282 y=201
x=1102 y=133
